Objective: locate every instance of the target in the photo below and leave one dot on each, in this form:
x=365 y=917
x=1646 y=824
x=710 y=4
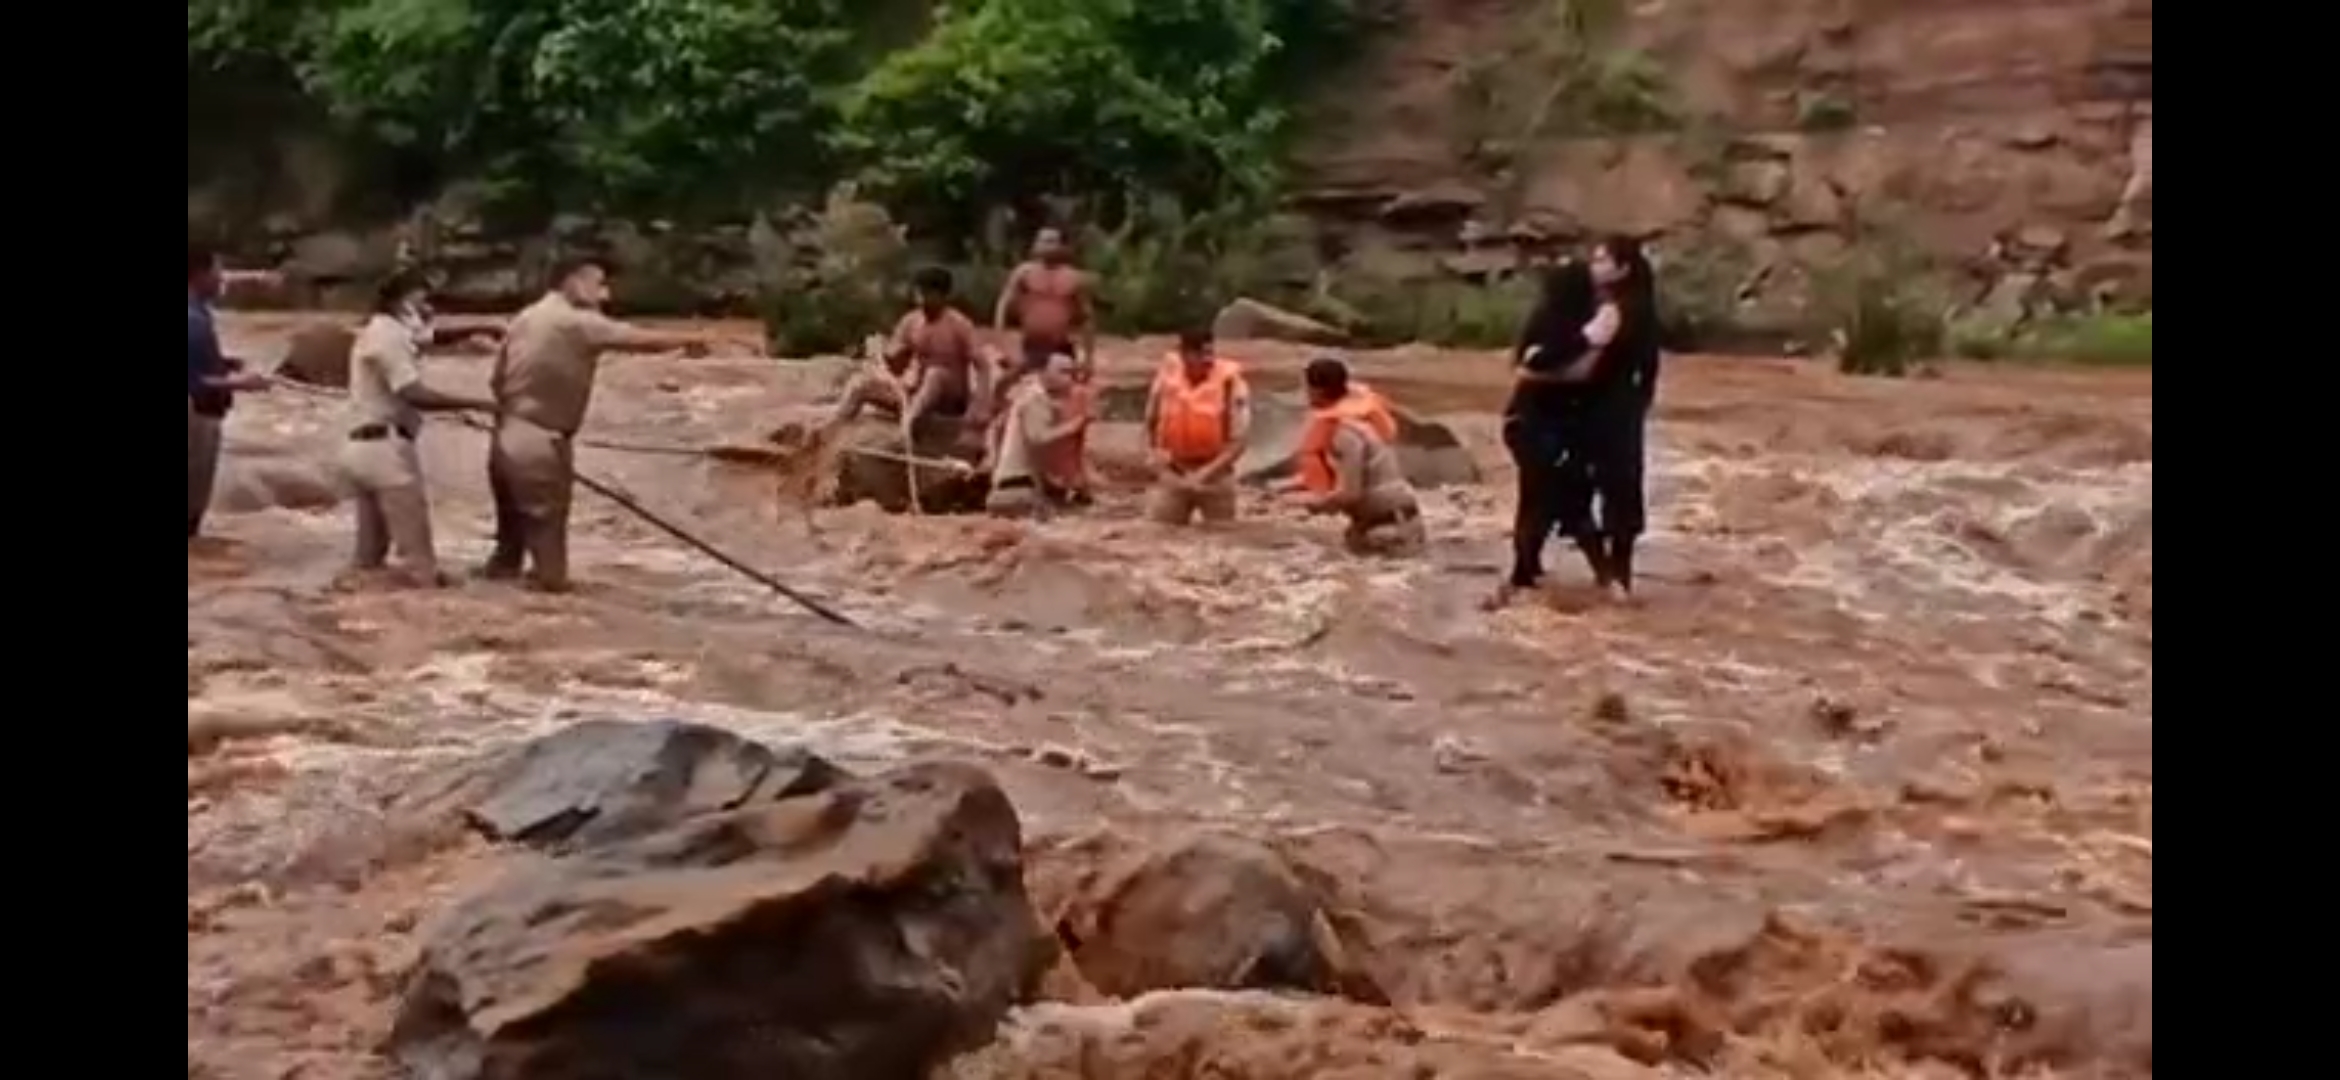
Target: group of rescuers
x=1031 y=412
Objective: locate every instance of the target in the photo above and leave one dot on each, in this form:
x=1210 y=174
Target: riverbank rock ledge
x=867 y=931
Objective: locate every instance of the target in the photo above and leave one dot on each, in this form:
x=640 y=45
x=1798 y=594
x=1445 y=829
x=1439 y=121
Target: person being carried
x=932 y=364
x=213 y=380
x=1037 y=465
x=1349 y=465
x=543 y=382
x=1046 y=298
x=387 y=397
x=1198 y=415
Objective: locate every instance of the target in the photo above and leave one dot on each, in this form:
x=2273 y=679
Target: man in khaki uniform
x=542 y=383
x=386 y=400
x=1348 y=466
x=1198 y=416
x=1038 y=463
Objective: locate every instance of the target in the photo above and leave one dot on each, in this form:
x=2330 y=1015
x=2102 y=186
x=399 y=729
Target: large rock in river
x=865 y=932
x=319 y=355
x=602 y=780
x=1215 y=911
x=1428 y=451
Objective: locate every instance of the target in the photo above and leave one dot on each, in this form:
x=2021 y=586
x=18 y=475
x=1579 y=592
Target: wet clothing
x=1027 y=472
x=379 y=455
x=1616 y=450
x=532 y=473
x=1361 y=409
x=1193 y=423
x=543 y=382
x=203 y=437
x=1169 y=503
x=1544 y=425
x=1385 y=517
x=206 y=407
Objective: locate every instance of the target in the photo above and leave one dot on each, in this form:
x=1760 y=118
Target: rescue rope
x=610 y=492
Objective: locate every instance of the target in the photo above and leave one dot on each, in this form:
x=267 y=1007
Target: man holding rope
x=543 y=381
x=213 y=379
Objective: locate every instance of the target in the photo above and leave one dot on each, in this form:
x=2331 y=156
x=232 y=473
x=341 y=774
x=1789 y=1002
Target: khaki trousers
x=393 y=508
x=1177 y=504
x=532 y=473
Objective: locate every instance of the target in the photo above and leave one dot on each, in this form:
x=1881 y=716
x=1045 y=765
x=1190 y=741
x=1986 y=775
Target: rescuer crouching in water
x=1198 y=414
x=1037 y=462
x=1349 y=465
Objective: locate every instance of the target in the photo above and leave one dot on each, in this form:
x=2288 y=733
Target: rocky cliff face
x=2004 y=133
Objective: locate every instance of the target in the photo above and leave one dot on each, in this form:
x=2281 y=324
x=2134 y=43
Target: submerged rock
x=1428 y=451
x=1215 y=912
x=319 y=355
x=604 y=780
x=866 y=932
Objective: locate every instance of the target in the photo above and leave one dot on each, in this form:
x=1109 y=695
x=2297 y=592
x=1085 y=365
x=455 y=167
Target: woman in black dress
x=1618 y=377
x=1544 y=427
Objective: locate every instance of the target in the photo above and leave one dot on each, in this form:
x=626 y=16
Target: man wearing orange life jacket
x=1349 y=466
x=1198 y=415
x=1037 y=464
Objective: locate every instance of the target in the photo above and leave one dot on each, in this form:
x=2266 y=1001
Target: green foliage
x=1007 y=99
x=2109 y=338
x=674 y=106
x=829 y=278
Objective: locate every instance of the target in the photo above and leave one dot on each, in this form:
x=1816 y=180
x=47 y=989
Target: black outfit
x=1543 y=426
x=1615 y=439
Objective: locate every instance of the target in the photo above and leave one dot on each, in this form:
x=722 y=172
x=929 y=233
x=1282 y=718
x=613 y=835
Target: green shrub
x=831 y=278
x=2110 y=338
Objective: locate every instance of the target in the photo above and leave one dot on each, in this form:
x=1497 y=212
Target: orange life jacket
x=1360 y=406
x=1190 y=420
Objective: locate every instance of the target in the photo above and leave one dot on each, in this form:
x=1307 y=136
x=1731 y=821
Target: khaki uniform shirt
x=384 y=361
x=552 y=349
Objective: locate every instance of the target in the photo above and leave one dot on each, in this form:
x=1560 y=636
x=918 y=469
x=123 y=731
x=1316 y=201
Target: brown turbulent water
x=1865 y=787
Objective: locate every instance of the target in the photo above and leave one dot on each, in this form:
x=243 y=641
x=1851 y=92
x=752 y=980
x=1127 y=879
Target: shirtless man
x=1348 y=467
x=1038 y=463
x=542 y=383
x=1047 y=298
x=933 y=364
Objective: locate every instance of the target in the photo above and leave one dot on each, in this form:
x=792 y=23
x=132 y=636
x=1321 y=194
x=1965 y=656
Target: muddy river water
x=1863 y=787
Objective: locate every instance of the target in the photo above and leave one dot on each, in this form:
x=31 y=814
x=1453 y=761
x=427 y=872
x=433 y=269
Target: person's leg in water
x=1533 y=456
x=1618 y=475
x=1573 y=484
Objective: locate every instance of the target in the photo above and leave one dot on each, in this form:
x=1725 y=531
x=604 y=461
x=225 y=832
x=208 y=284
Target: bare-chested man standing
x=543 y=381
x=1047 y=299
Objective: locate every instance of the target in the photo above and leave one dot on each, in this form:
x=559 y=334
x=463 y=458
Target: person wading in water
x=1544 y=428
x=1047 y=299
x=1619 y=377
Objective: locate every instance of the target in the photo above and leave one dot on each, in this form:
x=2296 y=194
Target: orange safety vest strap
x=1190 y=422
x=1361 y=406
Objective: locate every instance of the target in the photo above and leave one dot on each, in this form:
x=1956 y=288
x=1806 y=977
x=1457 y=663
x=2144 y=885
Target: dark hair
x=396 y=288
x=202 y=259
x=1638 y=297
x=1564 y=304
x=932 y=279
x=1195 y=338
x=1326 y=373
x=568 y=266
